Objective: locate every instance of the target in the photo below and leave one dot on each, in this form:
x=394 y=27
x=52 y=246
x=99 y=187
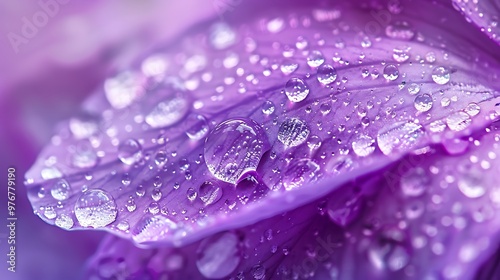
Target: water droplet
x=391 y=72
x=191 y=194
x=400 y=55
x=268 y=107
x=124 y=89
x=300 y=172
x=288 y=67
x=129 y=151
x=472 y=109
x=441 y=75
x=363 y=145
x=60 y=190
x=343 y=213
x=83 y=127
x=50 y=173
x=314 y=142
x=296 y=90
x=400 y=30
x=414 y=182
x=258 y=272
x=64 y=221
x=160 y=158
x=222 y=36
x=209 y=193
x=168 y=111
x=455 y=146
x=470 y=182
x=315 y=58
x=399 y=137
x=95 y=208
x=293 y=132
x=458 y=121
x=84 y=156
x=197 y=127
x=49 y=212
x=326 y=74
x=123 y=226
x=413 y=88
x=153 y=228
x=234 y=148
x=275 y=25
x=218 y=256
x=423 y=102
x=154 y=66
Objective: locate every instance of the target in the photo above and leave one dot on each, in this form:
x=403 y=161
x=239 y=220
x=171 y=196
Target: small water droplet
x=441 y=75
x=129 y=151
x=124 y=88
x=458 y=121
x=218 y=256
x=153 y=228
x=472 y=109
x=413 y=88
x=222 y=36
x=95 y=208
x=296 y=90
x=315 y=58
x=391 y=72
x=234 y=148
x=268 y=107
x=326 y=74
x=399 y=137
x=423 y=102
x=414 y=182
x=168 y=111
x=197 y=127
x=293 y=132
x=288 y=67
x=363 y=145
x=470 y=182
x=210 y=193
x=300 y=172
x=84 y=156
x=400 y=30
x=258 y=272
x=49 y=212
x=64 y=221
x=60 y=190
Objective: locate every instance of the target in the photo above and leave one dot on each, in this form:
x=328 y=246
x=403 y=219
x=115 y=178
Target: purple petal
x=135 y=161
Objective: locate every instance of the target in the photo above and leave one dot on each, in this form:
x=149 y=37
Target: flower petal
x=482 y=13
x=231 y=126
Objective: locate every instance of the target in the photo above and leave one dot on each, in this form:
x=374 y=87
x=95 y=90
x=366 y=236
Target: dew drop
x=315 y=58
x=95 y=208
x=400 y=30
x=293 y=132
x=363 y=145
x=84 y=156
x=288 y=67
x=296 y=90
x=423 y=102
x=470 y=182
x=60 y=190
x=222 y=36
x=83 y=127
x=326 y=74
x=218 y=256
x=458 y=121
x=399 y=137
x=64 y=221
x=234 y=148
x=209 y=193
x=300 y=172
x=391 y=72
x=472 y=109
x=414 y=182
x=197 y=127
x=168 y=111
x=153 y=228
x=441 y=75
x=413 y=88
x=268 y=107
x=124 y=89
x=129 y=151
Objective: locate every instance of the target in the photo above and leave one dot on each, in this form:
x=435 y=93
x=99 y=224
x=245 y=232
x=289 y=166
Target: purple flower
x=350 y=140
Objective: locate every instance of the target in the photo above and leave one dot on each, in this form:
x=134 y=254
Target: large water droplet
x=95 y=208
x=326 y=74
x=470 y=182
x=168 y=111
x=414 y=182
x=124 y=89
x=293 y=132
x=458 y=121
x=363 y=145
x=399 y=137
x=60 y=190
x=234 y=148
x=441 y=75
x=153 y=228
x=222 y=36
x=423 y=102
x=296 y=90
x=391 y=72
x=129 y=151
x=218 y=256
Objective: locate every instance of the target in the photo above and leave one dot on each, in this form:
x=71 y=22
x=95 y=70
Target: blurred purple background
x=70 y=48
